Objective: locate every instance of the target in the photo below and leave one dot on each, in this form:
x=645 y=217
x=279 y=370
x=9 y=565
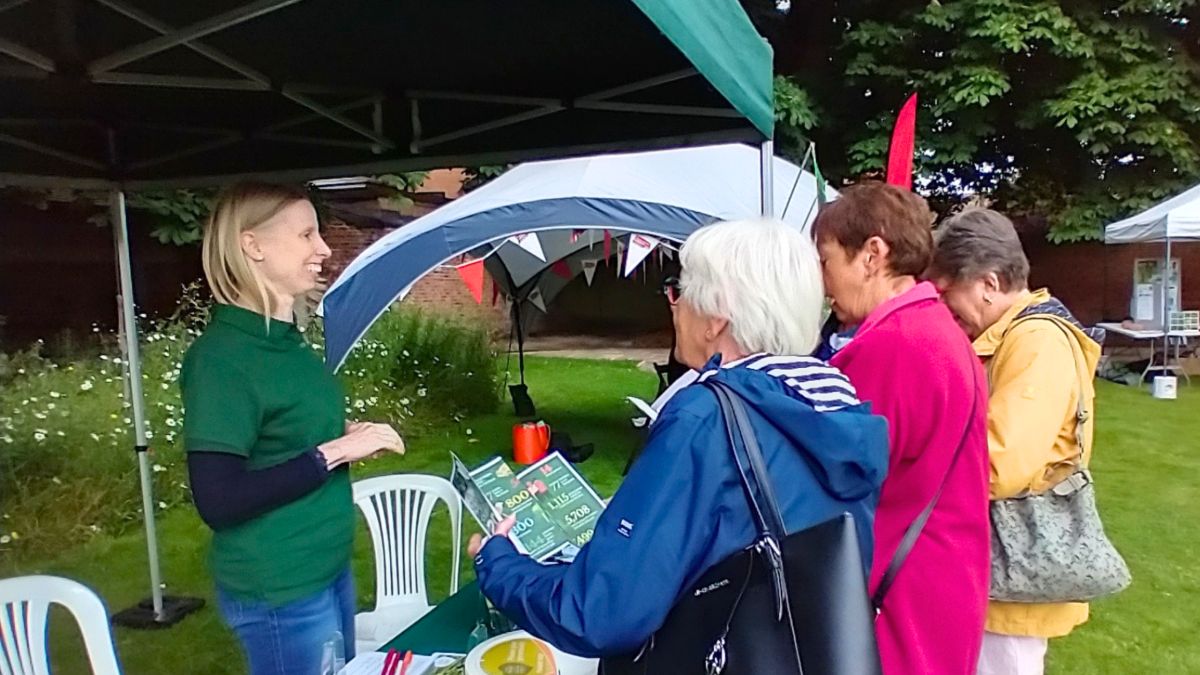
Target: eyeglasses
x=671 y=289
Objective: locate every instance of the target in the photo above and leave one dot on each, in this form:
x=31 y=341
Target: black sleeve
x=227 y=493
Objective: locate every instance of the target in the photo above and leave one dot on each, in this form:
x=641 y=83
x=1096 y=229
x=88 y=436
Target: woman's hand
x=362 y=440
x=502 y=529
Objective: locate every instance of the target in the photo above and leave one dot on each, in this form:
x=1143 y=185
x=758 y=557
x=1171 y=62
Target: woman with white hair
x=747 y=306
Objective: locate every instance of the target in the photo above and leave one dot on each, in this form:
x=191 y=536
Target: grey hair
x=975 y=242
x=763 y=276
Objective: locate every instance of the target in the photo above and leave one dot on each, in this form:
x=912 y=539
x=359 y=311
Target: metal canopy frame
x=104 y=71
x=110 y=163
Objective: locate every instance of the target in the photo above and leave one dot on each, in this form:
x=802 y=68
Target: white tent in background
x=1177 y=219
x=1172 y=221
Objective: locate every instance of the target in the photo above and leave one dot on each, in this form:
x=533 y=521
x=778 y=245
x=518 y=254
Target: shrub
x=419 y=370
x=67 y=465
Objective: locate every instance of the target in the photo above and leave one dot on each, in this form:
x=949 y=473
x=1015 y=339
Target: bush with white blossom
x=68 y=469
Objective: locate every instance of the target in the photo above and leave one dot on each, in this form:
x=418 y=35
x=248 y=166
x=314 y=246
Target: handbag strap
x=914 y=528
x=763 y=506
x=1081 y=412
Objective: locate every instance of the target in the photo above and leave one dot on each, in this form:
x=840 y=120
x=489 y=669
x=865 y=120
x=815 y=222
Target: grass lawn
x=1145 y=463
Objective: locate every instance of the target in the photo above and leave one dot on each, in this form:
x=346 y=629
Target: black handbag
x=787 y=605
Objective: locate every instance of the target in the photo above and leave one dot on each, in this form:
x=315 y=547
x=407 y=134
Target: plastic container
x=566 y=664
x=1165 y=387
x=333 y=655
x=531 y=441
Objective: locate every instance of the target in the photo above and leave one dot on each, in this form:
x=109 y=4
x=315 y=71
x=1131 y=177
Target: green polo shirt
x=262 y=393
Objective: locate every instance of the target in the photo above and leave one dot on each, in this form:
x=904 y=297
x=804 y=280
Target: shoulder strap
x=1082 y=415
x=914 y=529
x=757 y=485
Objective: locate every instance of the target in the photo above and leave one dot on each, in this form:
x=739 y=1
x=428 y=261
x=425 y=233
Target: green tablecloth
x=447 y=627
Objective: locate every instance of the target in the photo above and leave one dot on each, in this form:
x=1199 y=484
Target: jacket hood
x=816 y=408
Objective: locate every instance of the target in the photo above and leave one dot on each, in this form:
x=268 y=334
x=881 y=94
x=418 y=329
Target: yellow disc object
x=522 y=656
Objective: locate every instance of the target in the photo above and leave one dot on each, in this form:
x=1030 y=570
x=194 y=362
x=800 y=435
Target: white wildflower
x=422 y=391
x=56 y=480
x=39 y=436
x=87 y=385
x=159 y=468
x=5 y=539
x=170 y=421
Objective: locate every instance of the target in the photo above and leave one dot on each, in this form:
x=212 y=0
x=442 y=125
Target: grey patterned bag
x=1051 y=547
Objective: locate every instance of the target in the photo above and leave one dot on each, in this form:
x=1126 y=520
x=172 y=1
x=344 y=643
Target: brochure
x=556 y=508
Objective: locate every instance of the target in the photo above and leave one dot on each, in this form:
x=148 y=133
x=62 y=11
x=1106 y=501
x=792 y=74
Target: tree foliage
x=1078 y=110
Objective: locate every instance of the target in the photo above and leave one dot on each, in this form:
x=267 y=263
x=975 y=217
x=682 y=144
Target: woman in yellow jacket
x=1035 y=386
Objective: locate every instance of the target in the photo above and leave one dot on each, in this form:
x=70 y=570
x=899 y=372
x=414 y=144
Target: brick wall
x=442 y=290
x=1096 y=281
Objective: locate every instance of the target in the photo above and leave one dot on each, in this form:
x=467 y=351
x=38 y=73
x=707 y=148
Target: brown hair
x=238 y=208
x=977 y=241
x=899 y=217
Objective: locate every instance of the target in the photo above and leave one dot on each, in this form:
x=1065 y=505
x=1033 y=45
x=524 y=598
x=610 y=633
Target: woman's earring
x=987 y=300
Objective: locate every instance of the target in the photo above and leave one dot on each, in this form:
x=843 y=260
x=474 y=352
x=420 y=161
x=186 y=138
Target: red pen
x=389 y=662
x=407 y=661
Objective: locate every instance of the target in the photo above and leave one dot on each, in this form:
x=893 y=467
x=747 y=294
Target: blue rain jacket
x=682 y=508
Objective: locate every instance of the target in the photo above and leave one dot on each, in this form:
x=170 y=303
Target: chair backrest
x=24 y=608
x=397 y=508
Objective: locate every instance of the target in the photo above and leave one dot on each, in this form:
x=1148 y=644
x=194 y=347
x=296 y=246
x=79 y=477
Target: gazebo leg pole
x=767 y=177
x=152 y=613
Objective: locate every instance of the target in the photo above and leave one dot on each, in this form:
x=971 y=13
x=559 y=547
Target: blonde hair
x=233 y=278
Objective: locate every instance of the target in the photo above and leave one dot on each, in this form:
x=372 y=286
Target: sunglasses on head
x=671 y=289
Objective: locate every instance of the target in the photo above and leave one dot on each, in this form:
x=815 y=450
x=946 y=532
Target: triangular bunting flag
x=589 y=270
x=535 y=297
x=530 y=243
x=821 y=199
x=562 y=269
x=607 y=245
x=472 y=276
x=900 y=154
x=666 y=251
x=640 y=246
x=575 y=235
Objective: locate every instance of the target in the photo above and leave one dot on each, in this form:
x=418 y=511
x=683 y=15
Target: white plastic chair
x=25 y=606
x=397 y=508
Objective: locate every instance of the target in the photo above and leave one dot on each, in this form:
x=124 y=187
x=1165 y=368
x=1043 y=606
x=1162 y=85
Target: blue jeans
x=290 y=639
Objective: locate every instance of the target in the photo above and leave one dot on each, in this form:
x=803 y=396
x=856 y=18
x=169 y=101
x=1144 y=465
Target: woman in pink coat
x=910 y=361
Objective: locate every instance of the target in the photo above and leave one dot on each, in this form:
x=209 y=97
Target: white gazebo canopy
x=1177 y=219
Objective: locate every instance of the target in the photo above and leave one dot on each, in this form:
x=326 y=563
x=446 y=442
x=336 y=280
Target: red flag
x=472 y=276
x=607 y=245
x=562 y=269
x=900 y=155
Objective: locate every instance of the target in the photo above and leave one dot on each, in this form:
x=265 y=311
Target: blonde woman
x=267 y=441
